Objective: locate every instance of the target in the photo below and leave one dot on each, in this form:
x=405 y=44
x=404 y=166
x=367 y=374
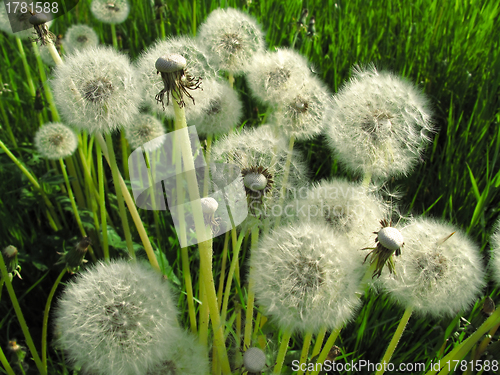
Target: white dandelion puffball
x=146 y=131
x=306 y=278
x=187 y=357
x=197 y=65
x=20 y=22
x=254 y=360
x=351 y=210
x=231 y=38
x=440 y=272
x=222 y=114
x=273 y=74
x=117 y=318
x=55 y=141
x=304 y=111
x=380 y=124
x=97 y=90
x=110 y=11
x=261 y=157
x=494 y=265
x=79 y=37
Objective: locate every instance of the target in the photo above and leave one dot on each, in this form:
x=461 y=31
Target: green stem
x=251 y=294
x=186 y=271
x=204 y=314
x=132 y=208
x=119 y=195
x=51 y=215
x=47 y=90
x=326 y=349
x=193 y=20
x=26 y=66
x=285 y=339
x=55 y=55
x=6 y=363
x=102 y=204
x=20 y=318
x=46 y=318
x=113 y=36
x=305 y=351
x=7 y=125
x=367 y=179
x=230 y=79
x=124 y=147
x=285 y=178
x=395 y=339
x=319 y=342
x=223 y=270
x=75 y=183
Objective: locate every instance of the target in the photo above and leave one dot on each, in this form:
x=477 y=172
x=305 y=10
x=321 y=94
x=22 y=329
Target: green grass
x=450 y=49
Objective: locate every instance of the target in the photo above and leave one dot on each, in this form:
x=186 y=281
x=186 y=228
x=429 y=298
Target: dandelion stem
x=367 y=179
x=463 y=348
x=124 y=147
x=205 y=247
x=29 y=79
x=319 y=342
x=75 y=183
x=113 y=36
x=230 y=79
x=326 y=349
x=223 y=270
x=46 y=317
x=102 y=204
x=6 y=363
x=395 y=339
x=119 y=195
x=204 y=314
x=285 y=178
x=305 y=351
x=133 y=210
x=189 y=288
x=234 y=262
x=193 y=20
x=285 y=339
x=20 y=317
x=55 y=55
x=251 y=293
x=51 y=215
x=7 y=125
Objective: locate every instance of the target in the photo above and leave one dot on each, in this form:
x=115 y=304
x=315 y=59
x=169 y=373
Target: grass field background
x=449 y=49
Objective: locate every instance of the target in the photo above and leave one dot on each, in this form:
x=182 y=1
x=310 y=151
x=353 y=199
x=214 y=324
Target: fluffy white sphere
x=55 y=141
x=306 y=278
x=79 y=37
x=97 y=90
x=380 y=124
x=146 y=131
x=110 y=11
x=231 y=38
x=433 y=277
x=117 y=318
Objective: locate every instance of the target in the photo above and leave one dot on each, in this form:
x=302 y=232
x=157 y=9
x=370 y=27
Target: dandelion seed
x=10 y=258
x=110 y=11
x=97 y=90
x=273 y=74
x=306 y=278
x=380 y=124
x=146 y=131
x=222 y=114
x=117 y=318
x=55 y=141
x=79 y=37
x=303 y=111
x=231 y=38
x=433 y=277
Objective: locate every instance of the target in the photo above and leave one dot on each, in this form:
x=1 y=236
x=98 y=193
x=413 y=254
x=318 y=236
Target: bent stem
x=20 y=318
x=46 y=317
x=133 y=209
x=395 y=339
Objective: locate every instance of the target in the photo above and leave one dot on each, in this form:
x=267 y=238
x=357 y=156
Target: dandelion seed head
x=55 y=141
x=254 y=359
x=117 y=318
x=390 y=238
x=97 y=90
x=306 y=277
x=271 y=75
x=146 y=131
x=231 y=38
x=380 y=124
x=79 y=37
x=110 y=11
x=494 y=265
x=223 y=112
x=440 y=272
